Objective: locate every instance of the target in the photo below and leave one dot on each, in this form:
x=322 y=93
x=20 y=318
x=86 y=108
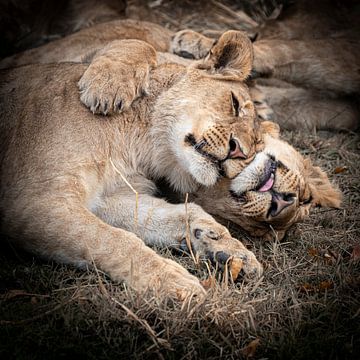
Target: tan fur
x=125 y=62
x=82 y=45
x=63 y=193
x=297 y=108
x=308 y=185
x=314 y=46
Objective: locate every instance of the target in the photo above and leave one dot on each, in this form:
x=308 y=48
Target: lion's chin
x=205 y=173
x=207 y=177
x=201 y=168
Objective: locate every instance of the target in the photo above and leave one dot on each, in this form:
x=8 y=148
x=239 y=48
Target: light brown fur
x=313 y=45
x=314 y=48
x=300 y=183
x=123 y=63
x=63 y=168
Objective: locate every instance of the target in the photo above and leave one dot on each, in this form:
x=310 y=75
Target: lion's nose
x=280 y=201
x=235 y=151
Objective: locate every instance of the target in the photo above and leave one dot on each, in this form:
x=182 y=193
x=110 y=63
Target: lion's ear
x=230 y=57
x=323 y=193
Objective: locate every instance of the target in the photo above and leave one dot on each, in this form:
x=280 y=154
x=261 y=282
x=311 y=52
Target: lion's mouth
x=268 y=179
x=265 y=182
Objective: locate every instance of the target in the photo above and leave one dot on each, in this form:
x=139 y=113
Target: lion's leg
x=82 y=45
x=297 y=108
x=190 y=44
x=168 y=225
x=320 y=64
x=61 y=228
x=117 y=75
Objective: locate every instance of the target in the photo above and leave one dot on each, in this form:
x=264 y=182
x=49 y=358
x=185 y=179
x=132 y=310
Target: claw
x=213 y=235
x=119 y=105
x=197 y=233
x=185 y=54
x=254 y=74
x=105 y=111
x=221 y=257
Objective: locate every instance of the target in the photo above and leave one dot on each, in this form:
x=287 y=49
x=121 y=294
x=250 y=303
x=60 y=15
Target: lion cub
x=60 y=164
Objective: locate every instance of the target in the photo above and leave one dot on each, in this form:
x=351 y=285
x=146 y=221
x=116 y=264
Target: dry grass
x=307 y=306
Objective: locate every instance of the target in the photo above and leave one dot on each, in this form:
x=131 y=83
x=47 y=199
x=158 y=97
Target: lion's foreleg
x=176 y=225
x=63 y=229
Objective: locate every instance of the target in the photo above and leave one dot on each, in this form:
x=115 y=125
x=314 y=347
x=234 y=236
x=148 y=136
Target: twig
x=187 y=237
x=240 y=15
x=132 y=188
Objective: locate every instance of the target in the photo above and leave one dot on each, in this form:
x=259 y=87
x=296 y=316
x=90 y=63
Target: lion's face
x=215 y=130
x=212 y=123
x=277 y=189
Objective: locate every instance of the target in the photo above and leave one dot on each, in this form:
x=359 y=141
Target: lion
x=301 y=84
x=276 y=190
x=313 y=48
x=325 y=96
x=79 y=188
x=60 y=164
x=86 y=45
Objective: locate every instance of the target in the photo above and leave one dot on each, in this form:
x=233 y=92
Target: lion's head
x=211 y=126
x=277 y=189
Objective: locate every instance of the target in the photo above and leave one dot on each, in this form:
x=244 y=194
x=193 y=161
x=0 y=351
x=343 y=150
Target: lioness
x=109 y=60
x=59 y=171
x=315 y=64
x=59 y=165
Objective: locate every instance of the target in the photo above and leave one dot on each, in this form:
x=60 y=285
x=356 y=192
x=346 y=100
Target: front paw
x=190 y=44
x=108 y=87
x=117 y=75
x=213 y=241
x=169 y=279
x=263 y=109
x=264 y=61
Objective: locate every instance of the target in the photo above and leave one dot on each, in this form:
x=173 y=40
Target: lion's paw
x=108 y=86
x=264 y=61
x=213 y=241
x=190 y=44
x=172 y=280
x=263 y=109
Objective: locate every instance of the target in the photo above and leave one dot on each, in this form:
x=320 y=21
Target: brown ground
x=307 y=306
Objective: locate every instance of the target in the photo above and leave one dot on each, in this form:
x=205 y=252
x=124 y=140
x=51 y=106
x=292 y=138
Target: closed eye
x=307 y=201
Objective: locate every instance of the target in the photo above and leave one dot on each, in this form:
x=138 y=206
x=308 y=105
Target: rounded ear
x=231 y=57
x=323 y=193
x=269 y=128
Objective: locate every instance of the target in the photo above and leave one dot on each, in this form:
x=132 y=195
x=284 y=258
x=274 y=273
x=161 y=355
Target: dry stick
x=101 y=285
x=131 y=187
x=142 y=322
x=17 y=292
x=187 y=237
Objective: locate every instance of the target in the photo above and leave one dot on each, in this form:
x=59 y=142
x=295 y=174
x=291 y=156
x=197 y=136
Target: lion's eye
x=235 y=104
x=307 y=201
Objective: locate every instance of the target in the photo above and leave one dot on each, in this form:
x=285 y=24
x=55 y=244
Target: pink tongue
x=268 y=185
